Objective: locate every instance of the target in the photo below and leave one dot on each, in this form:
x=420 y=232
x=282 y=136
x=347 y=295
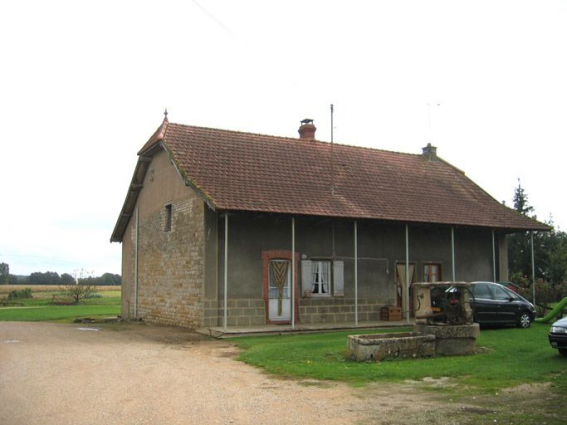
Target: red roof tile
x=252 y=172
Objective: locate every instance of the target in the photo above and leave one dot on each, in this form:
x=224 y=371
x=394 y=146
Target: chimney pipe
x=307 y=129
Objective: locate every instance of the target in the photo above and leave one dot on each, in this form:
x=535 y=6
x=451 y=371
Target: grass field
x=42 y=308
x=508 y=357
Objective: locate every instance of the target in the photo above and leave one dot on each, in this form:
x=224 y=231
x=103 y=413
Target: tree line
x=54 y=278
x=550 y=255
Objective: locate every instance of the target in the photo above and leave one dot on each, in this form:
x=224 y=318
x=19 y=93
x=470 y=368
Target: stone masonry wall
x=170 y=260
x=171 y=266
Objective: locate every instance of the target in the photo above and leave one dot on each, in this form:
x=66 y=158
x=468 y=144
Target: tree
x=81 y=287
x=79 y=291
x=550 y=252
x=521 y=203
x=67 y=279
x=4 y=274
x=519 y=244
x=47 y=278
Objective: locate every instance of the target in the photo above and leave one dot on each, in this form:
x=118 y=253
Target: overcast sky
x=83 y=85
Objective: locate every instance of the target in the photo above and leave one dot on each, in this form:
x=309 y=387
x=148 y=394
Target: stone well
x=451 y=340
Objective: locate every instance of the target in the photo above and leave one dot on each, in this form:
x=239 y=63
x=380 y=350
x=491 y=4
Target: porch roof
x=252 y=172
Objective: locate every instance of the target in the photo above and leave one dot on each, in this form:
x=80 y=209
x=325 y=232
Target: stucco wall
x=380 y=247
x=170 y=263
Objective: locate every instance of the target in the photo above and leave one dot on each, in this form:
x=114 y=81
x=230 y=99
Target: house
x=224 y=228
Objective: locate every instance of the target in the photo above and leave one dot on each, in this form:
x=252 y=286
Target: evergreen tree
x=519 y=244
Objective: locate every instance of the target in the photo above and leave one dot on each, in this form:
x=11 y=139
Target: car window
x=500 y=294
x=481 y=290
x=512 y=294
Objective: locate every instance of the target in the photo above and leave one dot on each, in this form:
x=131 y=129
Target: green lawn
x=40 y=308
x=508 y=357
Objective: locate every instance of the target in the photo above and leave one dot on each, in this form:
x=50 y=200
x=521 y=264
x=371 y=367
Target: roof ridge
x=158 y=136
x=298 y=140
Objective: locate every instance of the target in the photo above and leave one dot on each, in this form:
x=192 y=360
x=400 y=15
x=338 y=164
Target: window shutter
x=338 y=278
x=306 y=276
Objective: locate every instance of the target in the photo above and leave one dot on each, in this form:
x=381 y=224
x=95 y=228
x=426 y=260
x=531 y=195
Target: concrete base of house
x=259 y=330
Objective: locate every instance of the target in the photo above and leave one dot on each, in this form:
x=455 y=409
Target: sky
x=83 y=85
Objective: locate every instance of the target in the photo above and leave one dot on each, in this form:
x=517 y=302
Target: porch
x=299 y=328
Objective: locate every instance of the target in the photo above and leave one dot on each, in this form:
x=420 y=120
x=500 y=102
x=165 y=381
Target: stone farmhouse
x=224 y=228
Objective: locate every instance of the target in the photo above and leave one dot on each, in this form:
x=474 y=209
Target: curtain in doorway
x=279 y=276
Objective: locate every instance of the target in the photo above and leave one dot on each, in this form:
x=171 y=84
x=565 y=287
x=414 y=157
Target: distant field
x=6 y=289
x=106 y=302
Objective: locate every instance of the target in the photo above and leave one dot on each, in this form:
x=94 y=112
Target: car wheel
x=563 y=351
x=524 y=321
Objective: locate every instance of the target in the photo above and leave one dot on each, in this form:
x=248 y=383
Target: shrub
x=80 y=290
x=20 y=294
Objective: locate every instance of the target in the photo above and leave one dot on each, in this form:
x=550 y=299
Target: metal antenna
x=332 y=155
x=429 y=119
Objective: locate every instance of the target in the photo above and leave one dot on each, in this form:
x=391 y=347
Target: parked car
x=558 y=336
x=492 y=304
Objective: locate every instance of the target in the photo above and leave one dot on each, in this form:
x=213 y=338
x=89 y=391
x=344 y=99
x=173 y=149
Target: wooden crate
x=391 y=312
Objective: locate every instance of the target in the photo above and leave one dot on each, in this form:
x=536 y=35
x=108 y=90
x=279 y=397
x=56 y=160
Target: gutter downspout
x=225 y=304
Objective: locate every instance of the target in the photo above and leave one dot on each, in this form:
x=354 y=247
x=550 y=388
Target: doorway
x=279 y=300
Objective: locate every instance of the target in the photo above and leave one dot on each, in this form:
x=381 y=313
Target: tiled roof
x=252 y=172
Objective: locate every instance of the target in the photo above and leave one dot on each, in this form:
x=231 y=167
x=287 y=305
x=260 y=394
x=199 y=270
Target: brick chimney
x=307 y=129
x=430 y=152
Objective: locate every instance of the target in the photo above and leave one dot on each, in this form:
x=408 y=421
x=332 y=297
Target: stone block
x=243 y=321
x=403 y=345
x=257 y=320
x=452 y=340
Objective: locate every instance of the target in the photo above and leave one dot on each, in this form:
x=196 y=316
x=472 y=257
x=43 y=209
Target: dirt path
x=136 y=374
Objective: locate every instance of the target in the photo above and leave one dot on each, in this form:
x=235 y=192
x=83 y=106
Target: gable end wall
x=170 y=263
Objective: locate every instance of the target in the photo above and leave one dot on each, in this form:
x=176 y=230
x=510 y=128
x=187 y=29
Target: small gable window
x=168 y=217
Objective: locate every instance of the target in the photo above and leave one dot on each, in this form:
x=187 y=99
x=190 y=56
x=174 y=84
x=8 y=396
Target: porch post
x=493 y=258
x=355 y=273
x=225 y=318
x=453 y=252
x=533 y=268
x=406 y=294
x=292 y=272
x=136 y=263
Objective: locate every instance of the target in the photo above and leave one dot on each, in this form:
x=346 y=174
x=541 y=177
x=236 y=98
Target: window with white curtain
x=322 y=278
x=321 y=281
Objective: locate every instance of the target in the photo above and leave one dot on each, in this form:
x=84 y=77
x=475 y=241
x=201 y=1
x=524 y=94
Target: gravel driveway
x=140 y=374
x=137 y=374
